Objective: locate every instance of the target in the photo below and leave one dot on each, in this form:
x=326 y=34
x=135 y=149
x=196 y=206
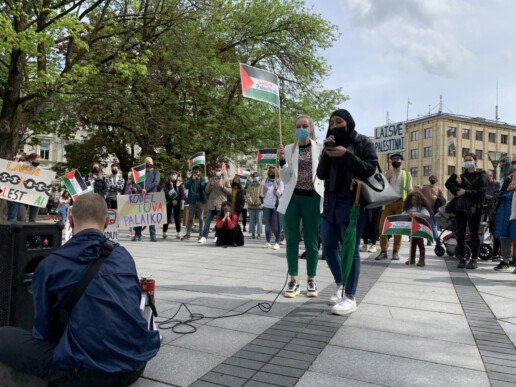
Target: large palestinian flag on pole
x=267 y=156
x=138 y=173
x=75 y=184
x=259 y=84
x=197 y=159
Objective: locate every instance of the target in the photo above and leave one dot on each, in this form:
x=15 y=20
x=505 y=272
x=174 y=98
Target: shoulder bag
x=376 y=191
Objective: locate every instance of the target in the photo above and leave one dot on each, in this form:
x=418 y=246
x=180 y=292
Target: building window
x=44 y=151
x=479 y=136
x=503 y=139
x=478 y=153
x=413 y=171
x=428 y=151
x=414 y=136
x=452 y=131
x=451 y=170
x=514 y=140
x=492 y=137
x=414 y=153
x=427 y=170
x=465 y=134
x=465 y=151
x=428 y=133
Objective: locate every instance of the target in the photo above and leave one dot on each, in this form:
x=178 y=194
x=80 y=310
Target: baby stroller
x=447 y=243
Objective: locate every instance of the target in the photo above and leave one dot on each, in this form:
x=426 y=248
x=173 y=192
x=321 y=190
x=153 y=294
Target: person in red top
x=227 y=228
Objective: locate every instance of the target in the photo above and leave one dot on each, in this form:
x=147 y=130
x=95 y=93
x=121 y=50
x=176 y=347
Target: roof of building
x=458 y=117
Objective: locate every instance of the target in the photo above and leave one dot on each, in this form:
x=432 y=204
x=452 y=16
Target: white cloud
x=411 y=31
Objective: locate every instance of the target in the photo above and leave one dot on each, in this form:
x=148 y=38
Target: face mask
x=35 y=164
x=95 y=169
x=341 y=137
x=218 y=174
x=173 y=177
x=433 y=181
x=396 y=164
x=272 y=176
x=302 y=133
x=256 y=179
x=469 y=164
x=114 y=171
x=149 y=165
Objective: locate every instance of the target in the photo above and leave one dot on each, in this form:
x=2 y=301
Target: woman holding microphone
x=301 y=202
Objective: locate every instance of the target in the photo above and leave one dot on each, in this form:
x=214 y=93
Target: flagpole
x=279 y=119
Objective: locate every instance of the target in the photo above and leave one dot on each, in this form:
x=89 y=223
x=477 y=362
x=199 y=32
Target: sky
x=392 y=51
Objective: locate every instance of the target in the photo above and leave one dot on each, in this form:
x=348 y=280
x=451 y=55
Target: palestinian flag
x=75 y=184
x=138 y=173
x=197 y=159
x=452 y=146
x=397 y=225
x=421 y=229
x=259 y=84
x=244 y=171
x=267 y=156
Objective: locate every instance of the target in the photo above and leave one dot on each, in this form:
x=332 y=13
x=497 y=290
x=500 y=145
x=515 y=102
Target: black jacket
x=359 y=161
x=475 y=184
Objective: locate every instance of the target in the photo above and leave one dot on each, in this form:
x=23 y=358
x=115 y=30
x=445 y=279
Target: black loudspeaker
x=22 y=247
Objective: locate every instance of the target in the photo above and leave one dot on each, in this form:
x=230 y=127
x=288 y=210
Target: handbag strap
x=78 y=290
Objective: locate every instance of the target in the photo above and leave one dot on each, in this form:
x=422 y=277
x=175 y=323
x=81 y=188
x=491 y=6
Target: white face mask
x=218 y=174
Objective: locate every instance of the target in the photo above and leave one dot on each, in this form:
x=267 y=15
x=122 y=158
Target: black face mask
x=342 y=136
x=396 y=164
x=149 y=166
x=114 y=171
x=433 y=181
x=35 y=164
x=272 y=176
x=95 y=169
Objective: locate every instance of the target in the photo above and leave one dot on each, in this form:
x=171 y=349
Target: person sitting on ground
x=227 y=228
x=106 y=341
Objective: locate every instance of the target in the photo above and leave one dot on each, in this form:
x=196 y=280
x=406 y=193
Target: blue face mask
x=469 y=164
x=302 y=133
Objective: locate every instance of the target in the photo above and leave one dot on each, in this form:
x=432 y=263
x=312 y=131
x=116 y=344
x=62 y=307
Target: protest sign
x=142 y=210
x=111 y=231
x=23 y=183
x=389 y=138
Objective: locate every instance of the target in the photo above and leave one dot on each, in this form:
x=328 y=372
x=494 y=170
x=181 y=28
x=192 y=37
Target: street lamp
x=495 y=157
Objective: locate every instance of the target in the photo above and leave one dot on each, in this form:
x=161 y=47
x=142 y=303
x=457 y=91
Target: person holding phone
x=347 y=155
x=226 y=227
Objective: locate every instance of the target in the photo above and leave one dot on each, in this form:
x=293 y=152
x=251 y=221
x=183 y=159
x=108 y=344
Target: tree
x=55 y=46
x=189 y=99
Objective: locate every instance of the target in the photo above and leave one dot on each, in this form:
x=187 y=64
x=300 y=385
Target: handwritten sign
x=110 y=232
x=23 y=183
x=142 y=210
x=389 y=138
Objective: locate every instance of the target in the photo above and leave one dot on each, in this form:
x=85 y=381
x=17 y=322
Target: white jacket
x=289 y=172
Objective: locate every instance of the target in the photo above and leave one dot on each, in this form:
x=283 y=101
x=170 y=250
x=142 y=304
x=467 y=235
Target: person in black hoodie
x=347 y=155
x=469 y=190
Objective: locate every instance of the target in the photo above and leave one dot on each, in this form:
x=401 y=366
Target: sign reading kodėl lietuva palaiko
x=389 y=138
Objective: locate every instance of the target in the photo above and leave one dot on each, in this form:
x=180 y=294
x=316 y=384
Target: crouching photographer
x=88 y=330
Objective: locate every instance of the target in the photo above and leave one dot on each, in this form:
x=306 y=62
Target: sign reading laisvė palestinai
x=389 y=138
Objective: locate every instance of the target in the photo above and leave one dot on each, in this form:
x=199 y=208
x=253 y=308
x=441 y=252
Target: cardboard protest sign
x=389 y=138
x=142 y=210
x=111 y=231
x=23 y=183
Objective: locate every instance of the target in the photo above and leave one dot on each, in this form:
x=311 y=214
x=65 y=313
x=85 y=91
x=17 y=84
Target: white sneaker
x=267 y=245
x=276 y=246
x=215 y=240
x=344 y=307
x=372 y=249
x=165 y=235
x=202 y=240
x=337 y=295
x=363 y=248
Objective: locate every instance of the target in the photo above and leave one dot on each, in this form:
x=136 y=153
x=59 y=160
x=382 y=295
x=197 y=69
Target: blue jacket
x=503 y=227
x=106 y=332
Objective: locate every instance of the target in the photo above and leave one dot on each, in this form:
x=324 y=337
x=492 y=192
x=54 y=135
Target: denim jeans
x=331 y=233
x=12 y=210
x=270 y=215
x=255 y=221
x=435 y=232
x=63 y=210
x=152 y=231
x=210 y=214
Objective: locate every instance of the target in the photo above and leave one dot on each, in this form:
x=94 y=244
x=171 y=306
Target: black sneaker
x=311 y=289
x=382 y=255
x=472 y=264
x=502 y=266
x=462 y=264
x=153 y=239
x=185 y=237
x=136 y=239
x=292 y=289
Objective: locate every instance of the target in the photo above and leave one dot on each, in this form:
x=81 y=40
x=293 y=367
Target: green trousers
x=307 y=210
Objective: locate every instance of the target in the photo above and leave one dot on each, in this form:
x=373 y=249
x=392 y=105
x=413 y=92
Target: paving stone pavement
x=414 y=326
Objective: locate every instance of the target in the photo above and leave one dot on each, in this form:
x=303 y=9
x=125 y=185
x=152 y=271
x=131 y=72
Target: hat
x=396 y=155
